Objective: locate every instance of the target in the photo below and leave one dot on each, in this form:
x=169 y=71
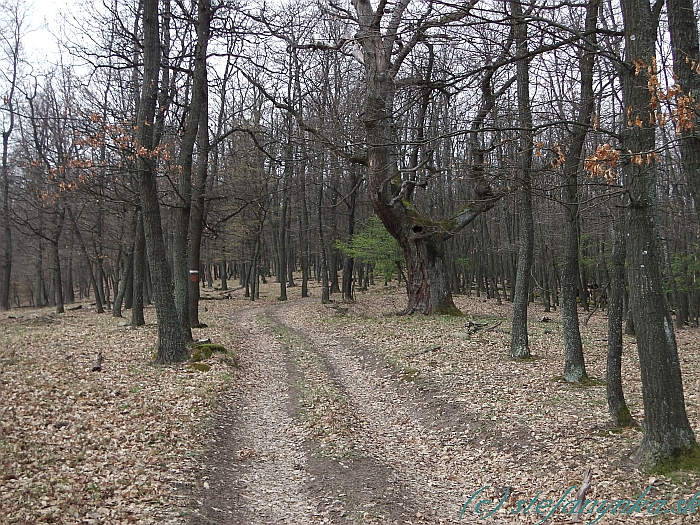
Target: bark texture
x=519 y=345
x=667 y=432
x=574 y=363
x=12 y=38
x=88 y=263
x=171 y=342
x=139 y=278
x=198 y=105
x=619 y=412
x=685 y=46
x=6 y=261
x=197 y=216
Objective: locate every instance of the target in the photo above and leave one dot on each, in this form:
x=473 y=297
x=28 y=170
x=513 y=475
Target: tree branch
x=319 y=135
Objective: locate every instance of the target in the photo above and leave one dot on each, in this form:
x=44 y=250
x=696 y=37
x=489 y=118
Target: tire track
x=404 y=427
x=256 y=471
x=353 y=485
x=320 y=430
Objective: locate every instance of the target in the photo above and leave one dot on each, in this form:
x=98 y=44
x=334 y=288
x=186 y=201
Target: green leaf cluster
x=463 y=262
x=373 y=244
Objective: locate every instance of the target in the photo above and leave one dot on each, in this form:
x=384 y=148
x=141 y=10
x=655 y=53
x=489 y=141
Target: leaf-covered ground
x=338 y=414
x=529 y=431
x=78 y=446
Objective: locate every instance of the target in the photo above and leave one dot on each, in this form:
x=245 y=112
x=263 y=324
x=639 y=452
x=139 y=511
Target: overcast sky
x=40 y=43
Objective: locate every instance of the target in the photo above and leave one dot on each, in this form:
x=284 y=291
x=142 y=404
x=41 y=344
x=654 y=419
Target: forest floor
x=342 y=413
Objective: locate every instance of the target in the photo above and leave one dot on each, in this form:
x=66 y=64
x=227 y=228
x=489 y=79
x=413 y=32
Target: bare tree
x=12 y=27
x=519 y=345
x=619 y=412
x=196 y=108
x=574 y=364
x=685 y=44
x=171 y=341
x=667 y=431
x=391 y=189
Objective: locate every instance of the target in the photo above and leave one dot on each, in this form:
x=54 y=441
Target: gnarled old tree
x=391 y=186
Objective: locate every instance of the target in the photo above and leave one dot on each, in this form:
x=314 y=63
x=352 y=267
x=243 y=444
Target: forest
x=542 y=155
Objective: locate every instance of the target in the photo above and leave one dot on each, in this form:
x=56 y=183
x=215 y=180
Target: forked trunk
x=391 y=190
x=171 y=340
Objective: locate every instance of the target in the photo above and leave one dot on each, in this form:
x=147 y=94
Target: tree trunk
x=139 y=276
x=6 y=229
x=208 y=264
x=574 y=363
x=616 y=398
x=197 y=217
x=291 y=260
x=223 y=270
x=282 y=229
x=421 y=239
x=427 y=274
x=325 y=289
x=304 y=236
x=253 y=271
x=57 y=284
x=519 y=345
x=69 y=288
x=348 y=269
x=171 y=340
x=184 y=223
x=12 y=34
x=181 y=275
x=349 y=262
x=667 y=432
x=282 y=248
x=88 y=263
x=39 y=297
x=685 y=46
x=57 y=295
x=101 y=279
x=124 y=284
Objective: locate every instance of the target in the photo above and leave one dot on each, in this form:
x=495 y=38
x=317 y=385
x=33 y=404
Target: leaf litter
x=528 y=431
x=445 y=415
x=78 y=446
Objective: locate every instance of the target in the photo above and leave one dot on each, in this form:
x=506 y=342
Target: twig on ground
x=581 y=495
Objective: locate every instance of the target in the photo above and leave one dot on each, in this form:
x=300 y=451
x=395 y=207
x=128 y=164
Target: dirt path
x=317 y=429
x=322 y=428
x=257 y=471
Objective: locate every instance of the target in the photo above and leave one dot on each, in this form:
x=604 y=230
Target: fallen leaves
x=110 y=447
x=526 y=430
x=328 y=417
x=95 y=447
